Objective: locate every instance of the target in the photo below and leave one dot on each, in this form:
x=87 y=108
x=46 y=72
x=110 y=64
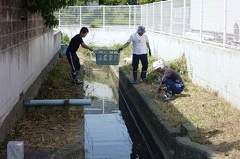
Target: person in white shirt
x=140 y=49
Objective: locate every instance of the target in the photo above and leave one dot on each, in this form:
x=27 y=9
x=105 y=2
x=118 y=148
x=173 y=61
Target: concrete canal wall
x=173 y=143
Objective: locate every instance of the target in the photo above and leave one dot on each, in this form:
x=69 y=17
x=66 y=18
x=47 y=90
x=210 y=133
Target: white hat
x=157 y=64
x=141 y=29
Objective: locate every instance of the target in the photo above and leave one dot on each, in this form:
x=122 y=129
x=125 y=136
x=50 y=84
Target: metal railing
x=216 y=22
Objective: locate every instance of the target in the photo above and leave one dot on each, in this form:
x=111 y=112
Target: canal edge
x=173 y=143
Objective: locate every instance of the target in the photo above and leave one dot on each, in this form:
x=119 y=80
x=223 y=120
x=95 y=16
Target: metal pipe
x=57 y=102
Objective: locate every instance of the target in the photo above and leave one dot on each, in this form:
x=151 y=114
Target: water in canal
x=109 y=129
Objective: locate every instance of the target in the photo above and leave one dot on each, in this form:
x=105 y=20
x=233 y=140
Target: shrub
x=65 y=39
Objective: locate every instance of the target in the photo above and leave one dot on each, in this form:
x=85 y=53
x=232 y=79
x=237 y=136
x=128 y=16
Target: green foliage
x=65 y=39
x=150 y=1
x=80 y=3
x=112 y=2
x=180 y=65
x=152 y=77
x=47 y=9
x=58 y=79
x=92 y=25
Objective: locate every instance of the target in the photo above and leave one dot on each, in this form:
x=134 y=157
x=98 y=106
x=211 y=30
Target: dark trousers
x=135 y=62
x=74 y=62
x=174 y=87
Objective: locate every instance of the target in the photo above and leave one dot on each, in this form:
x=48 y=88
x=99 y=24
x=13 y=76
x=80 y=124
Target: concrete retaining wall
x=20 y=67
x=172 y=142
x=209 y=66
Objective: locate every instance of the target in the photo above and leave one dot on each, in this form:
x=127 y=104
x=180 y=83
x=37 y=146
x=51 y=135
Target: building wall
x=26 y=48
x=18 y=25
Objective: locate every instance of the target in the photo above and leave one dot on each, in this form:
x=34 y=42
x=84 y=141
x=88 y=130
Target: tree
x=150 y=1
x=83 y=2
x=47 y=9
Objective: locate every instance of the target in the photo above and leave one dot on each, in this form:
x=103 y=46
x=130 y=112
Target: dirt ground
x=216 y=120
x=52 y=128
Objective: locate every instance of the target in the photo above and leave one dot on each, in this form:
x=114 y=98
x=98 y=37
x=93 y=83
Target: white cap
x=157 y=64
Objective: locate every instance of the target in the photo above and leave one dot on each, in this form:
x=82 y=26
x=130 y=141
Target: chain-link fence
x=215 y=21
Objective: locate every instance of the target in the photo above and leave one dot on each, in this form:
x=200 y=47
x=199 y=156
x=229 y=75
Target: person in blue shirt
x=171 y=82
x=72 y=57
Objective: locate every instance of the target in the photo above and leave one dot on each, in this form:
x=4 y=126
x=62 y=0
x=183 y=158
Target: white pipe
x=57 y=102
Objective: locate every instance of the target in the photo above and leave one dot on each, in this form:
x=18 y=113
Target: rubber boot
x=143 y=75
x=75 y=75
x=134 y=77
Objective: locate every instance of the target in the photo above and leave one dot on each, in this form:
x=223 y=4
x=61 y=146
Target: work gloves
x=119 y=50
x=149 y=51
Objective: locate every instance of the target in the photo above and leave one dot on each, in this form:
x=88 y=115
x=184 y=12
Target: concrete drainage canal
x=110 y=130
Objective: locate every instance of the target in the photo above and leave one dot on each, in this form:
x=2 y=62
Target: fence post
x=201 y=20
x=153 y=16
x=134 y=23
x=171 y=17
x=141 y=14
x=103 y=16
x=129 y=17
x=225 y=23
x=184 y=18
x=80 y=16
x=146 y=18
x=161 y=22
x=59 y=18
